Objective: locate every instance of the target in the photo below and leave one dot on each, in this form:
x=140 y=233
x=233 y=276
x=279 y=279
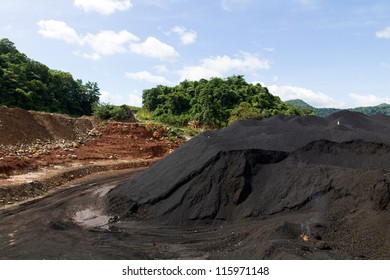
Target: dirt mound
x=18 y=126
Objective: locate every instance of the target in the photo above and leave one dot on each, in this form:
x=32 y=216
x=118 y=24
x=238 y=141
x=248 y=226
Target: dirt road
x=71 y=224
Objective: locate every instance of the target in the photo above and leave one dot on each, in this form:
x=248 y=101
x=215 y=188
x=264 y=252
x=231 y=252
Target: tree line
x=31 y=85
x=214 y=103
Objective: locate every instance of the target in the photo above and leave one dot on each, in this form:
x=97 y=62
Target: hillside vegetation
x=214 y=103
x=31 y=85
x=323 y=112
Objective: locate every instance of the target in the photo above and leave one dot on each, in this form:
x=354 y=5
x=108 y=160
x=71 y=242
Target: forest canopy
x=31 y=85
x=214 y=103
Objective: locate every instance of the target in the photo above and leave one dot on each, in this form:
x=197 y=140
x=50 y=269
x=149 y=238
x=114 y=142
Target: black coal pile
x=335 y=165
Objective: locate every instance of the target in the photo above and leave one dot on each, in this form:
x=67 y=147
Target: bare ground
x=41 y=151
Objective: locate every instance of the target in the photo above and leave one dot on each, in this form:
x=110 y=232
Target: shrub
x=245 y=111
x=106 y=111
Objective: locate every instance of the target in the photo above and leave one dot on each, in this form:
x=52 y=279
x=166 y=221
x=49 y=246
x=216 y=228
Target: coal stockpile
x=336 y=168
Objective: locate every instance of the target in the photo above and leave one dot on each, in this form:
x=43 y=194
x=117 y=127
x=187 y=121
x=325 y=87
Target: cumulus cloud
x=218 y=66
x=135 y=98
x=92 y=56
x=368 y=100
x=152 y=47
x=59 y=30
x=109 y=42
x=104 y=43
x=104 y=7
x=161 y=68
x=384 y=33
x=194 y=73
x=107 y=97
x=147 y=77
x=314 y=98
x=186 y=37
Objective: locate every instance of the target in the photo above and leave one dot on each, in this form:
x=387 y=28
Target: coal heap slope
x=254 y=168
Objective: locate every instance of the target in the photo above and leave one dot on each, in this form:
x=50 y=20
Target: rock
x=73 y=157
x=322 y=245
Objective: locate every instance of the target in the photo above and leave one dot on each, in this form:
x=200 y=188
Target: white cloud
x=107 y=97
x=148 y=77
x=7 y=28
x=152 y=47
x=59 y=30
x=104 y=43
x=220 y=65
x=186 y=37
x=161 y=68
x=109 y=42
x=243 y=62
x=368 y=100
x=316 y=99
x=104 y=7
x=93 y=56
x=383 y=34
x=135 y=99
x=194 y=73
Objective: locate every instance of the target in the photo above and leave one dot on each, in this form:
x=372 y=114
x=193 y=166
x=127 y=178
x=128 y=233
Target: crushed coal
x=254 y=168
x=336 y=169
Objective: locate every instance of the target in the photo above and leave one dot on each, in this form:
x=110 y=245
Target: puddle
x=91 y=218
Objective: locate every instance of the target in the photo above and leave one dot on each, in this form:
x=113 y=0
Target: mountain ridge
x=382 y=108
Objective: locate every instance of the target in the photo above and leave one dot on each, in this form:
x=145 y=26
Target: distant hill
x=323 y=112
x=300 y=103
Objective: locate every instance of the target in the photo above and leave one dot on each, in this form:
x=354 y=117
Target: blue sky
x=329 y=53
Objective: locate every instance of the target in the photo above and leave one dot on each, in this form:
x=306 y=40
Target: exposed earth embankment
x=35 y=147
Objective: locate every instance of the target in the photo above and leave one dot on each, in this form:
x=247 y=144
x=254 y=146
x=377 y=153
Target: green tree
x=107 y=111
x=29 y=84
x=211 y=103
